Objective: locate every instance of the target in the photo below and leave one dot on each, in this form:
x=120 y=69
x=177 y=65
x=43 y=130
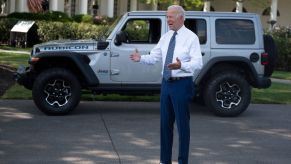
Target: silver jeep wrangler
x=236 y=55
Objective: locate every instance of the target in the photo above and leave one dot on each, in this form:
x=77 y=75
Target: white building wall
x=258 y=7
x=285 y=16
x=110 y=8
x=57 y=5
x=83 y=7
x=122 y=7
x=11 y=6
x=106 y=7
x=21 y=6
x=102 y=7
x=133 y=5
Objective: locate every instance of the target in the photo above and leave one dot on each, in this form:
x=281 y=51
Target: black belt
x=178 y=78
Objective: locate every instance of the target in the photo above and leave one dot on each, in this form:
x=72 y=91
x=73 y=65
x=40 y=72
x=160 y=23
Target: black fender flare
x=226 y=60
x=80 y=60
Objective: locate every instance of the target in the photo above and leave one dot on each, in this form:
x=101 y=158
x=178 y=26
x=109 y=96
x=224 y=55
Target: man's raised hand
x=135 y=56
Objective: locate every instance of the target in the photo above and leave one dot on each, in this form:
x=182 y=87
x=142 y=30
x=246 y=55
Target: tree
x=163 y=4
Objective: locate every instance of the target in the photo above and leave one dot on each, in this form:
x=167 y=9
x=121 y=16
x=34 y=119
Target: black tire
x=227 y=94
x=56 y=91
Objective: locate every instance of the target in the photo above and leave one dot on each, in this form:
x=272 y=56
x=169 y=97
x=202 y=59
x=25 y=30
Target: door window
x=142 y=31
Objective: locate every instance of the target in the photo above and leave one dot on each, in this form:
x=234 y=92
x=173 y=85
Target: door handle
x=115 y=71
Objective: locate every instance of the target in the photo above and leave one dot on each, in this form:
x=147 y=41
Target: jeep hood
x=66 y=45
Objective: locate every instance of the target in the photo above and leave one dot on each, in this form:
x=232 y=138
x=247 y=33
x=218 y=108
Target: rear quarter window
x=235 y=31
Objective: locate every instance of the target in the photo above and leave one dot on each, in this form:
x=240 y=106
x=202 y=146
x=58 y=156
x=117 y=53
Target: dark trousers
x=175 y=97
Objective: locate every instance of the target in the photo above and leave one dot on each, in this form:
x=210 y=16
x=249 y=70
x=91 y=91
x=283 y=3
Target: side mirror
x=102 y=45
x=121 y=37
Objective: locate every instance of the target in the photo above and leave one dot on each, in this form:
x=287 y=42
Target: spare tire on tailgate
x=271 y=49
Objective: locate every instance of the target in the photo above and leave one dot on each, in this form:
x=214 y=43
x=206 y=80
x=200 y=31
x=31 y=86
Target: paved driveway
x=128 y=132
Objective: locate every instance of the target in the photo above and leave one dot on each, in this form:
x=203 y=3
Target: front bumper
x=23 y=77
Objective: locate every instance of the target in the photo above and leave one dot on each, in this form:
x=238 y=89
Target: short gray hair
x=179 y=9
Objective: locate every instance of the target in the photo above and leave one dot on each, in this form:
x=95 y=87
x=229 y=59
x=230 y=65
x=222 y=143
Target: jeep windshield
x=111 y=27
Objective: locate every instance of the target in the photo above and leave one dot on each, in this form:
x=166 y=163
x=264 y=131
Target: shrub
x=47 y=16
x=103 y=20
x=49 y=31
x=82 y=18
x=69 y=30
x=77 y=18
x=282 y=37
x=5 y=27
x=86 y=31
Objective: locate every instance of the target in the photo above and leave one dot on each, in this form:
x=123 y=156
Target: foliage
x=103 y=20
x=69 y=30
x=82 y=18
x=57 y=30
x=193 y=4
x=137 y=30
x=282 y=37
x=5 y=27
x=187 y=4
x=47 y=16
x=50 y=31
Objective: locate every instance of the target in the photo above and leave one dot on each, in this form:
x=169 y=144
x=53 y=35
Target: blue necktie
x=169 y=58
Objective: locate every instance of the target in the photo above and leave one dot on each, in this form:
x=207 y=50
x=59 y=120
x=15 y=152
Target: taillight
x=33 y=60
x=265 y=58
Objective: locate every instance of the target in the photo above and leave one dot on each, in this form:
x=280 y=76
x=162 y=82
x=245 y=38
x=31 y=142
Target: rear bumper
x=263 y=82
x=23 y=77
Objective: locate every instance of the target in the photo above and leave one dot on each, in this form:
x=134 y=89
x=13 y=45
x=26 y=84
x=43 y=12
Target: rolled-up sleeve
x=195 y=62
x=155 y=55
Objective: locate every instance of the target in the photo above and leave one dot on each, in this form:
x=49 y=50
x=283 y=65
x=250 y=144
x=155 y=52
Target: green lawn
x=4 y=47
x=276 y=94
x=19 y=92
x=13 y=59
x=282 y=75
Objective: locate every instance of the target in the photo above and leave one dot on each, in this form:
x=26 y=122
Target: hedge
x=69 y=30
x=5 y=27
x=282 y=37
x=46 y=16
x=47 y=31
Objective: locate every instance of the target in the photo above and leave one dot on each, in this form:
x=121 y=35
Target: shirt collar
x=180 y=30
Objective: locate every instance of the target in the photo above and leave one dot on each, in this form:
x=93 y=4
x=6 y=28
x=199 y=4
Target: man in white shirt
x=180 y=52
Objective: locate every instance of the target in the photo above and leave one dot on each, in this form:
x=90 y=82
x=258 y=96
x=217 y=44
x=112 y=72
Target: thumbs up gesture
x=135 y=56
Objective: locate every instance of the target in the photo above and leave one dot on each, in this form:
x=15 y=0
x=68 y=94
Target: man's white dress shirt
x=187 y=49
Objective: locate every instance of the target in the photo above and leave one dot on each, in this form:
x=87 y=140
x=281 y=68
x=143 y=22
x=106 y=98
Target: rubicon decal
x=76 y=47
